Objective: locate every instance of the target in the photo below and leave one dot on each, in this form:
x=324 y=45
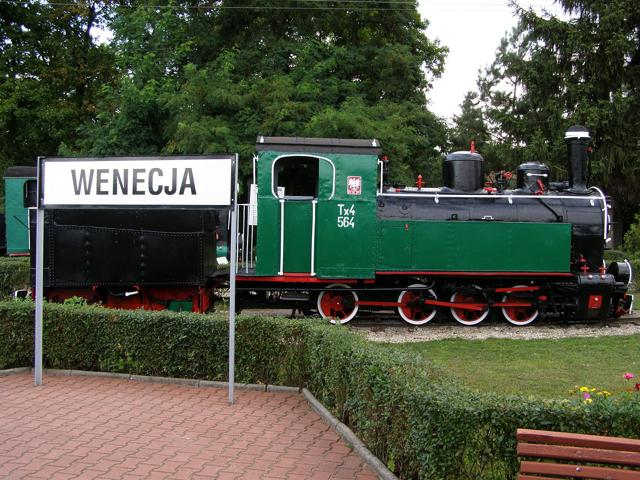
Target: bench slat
x=579 y=454
x=578 y=471
x=578 y=440
x=535 y=477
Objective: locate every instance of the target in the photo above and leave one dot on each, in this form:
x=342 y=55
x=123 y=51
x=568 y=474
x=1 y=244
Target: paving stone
x=84 y=427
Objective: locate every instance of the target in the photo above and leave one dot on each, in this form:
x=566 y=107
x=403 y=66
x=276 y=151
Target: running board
x=292 y=297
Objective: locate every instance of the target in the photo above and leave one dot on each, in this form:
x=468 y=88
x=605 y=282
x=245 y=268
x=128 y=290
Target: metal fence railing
x=247 y=219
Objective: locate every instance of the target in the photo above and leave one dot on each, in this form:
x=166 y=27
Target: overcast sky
x=472 y=30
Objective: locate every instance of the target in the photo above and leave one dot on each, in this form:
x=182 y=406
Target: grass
x=541 y=368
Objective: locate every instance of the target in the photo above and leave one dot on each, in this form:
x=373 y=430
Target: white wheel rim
x=337 y=286
x=464 y=321
x=411 y=320
x=514 y=321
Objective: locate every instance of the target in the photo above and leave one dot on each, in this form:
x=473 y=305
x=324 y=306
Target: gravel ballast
x=396 y=333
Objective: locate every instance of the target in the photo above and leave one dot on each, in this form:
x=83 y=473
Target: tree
x=469 y=125
x=196 y=78
x=552 y=73
x=50 y=70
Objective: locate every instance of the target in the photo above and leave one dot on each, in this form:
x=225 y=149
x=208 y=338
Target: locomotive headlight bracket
x=630 y=271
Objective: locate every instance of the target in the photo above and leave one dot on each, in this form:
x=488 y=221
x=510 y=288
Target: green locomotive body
x=474 y=246
x=323 y=230
x=331 y=234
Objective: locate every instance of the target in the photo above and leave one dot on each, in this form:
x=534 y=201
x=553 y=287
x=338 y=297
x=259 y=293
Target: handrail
x=313 y=236
x=281 y=272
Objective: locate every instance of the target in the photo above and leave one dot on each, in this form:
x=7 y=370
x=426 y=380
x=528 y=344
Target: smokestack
x=577 y=138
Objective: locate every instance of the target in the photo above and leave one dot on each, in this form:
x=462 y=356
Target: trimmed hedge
x=14 y=275
x=412 y=416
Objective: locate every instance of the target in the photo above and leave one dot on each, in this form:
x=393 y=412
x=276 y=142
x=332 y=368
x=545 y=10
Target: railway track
x=389 y=321
x=385 y=327
x=382 y=320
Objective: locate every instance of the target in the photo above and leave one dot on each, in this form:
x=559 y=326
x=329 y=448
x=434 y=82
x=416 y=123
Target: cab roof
x=318 y=145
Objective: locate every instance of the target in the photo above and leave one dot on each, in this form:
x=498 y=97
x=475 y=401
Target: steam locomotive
x=322 y=231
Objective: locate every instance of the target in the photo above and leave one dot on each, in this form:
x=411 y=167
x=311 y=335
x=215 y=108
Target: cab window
x=296 y=177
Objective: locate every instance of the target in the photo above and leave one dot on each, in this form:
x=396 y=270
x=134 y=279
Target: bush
x=14 y=275
x=412 y=416
x=632 y=237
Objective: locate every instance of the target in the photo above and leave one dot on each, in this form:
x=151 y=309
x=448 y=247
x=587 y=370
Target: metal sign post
x=186 y=182
x=232 y=285
x=37 y=361
x=39 y=300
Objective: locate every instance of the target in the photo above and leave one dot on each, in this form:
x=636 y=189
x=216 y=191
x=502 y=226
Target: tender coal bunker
x=165 y=220
x=130 y=247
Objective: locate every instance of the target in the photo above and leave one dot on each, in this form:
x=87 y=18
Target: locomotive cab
x=316 y=207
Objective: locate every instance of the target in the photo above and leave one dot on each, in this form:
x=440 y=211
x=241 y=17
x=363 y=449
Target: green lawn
x=542 y=368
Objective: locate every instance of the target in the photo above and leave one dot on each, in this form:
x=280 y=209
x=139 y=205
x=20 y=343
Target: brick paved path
x=93 y=427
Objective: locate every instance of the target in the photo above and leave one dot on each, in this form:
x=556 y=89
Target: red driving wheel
x=413 y=309
x=466 y=316
x=338 y=303
x=519 y=316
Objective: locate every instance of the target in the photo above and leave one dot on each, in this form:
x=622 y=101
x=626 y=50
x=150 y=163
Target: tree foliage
x=51 y=69
x=200 y=79
x=551 y=73
x=471 y=126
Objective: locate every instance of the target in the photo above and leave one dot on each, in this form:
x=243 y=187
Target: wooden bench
x=616 y=458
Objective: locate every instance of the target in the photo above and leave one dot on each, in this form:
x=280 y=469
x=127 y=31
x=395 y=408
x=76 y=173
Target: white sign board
x=143 y=181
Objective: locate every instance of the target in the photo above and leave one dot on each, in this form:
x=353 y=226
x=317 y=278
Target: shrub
x=412 y=416
x=632 y=237
x=14 y=275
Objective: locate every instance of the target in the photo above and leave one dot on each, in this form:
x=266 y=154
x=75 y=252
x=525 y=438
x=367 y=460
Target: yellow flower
x=584 y=389
x=588 y=400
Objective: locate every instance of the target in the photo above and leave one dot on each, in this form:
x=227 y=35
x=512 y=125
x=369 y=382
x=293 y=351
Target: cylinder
x=463 y=171
x=577 y=138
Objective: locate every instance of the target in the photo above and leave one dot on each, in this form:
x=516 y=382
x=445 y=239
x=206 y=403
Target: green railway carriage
x=16 y=215
x=331 y=235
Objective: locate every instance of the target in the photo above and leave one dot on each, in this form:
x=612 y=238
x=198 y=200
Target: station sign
x=193 y=182
x=137 y=182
